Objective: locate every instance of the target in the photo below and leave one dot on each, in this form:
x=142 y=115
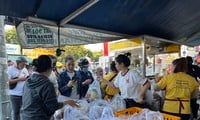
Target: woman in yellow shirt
x=179 y=88
x=110 y=91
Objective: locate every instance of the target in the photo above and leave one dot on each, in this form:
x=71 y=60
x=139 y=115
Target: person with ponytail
x=39 y=100
x=179 y=89
x=131 y=84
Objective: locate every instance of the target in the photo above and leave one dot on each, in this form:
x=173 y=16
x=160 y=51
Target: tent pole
x=40 y=21
x=59 y=37
x=154 y=63
x=5 y=113
x=144 y=56
x=78 y=12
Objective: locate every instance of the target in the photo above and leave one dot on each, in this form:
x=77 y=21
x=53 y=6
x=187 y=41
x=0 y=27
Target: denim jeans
x=16 y=103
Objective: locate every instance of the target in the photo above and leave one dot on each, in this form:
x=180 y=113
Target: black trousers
x=132 y=103
x=16 y=102
x=194 y=107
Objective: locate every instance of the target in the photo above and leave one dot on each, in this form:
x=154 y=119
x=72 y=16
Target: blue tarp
x=174 y=20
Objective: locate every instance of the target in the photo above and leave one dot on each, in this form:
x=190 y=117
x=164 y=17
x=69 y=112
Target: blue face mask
x=85 y=69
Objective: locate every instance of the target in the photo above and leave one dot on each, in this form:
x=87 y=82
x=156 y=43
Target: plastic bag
x=100 y=102
x=83 y=106
x=67 y=113
x=107 y=114
x=62 y=98
x=96 y=109
x=151 y=115
x=95 y=112
x=118 y=103
x=58 y=115
x=71 y=113
x=94 y=91
x=139 y=116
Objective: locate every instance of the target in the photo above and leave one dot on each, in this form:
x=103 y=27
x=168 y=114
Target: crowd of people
x=34 y=95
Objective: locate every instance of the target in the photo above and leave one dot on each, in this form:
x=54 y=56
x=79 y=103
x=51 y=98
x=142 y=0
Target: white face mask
x=85 y=69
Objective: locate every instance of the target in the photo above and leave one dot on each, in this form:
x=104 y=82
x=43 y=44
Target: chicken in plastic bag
x=118 y=103
x=94 y=91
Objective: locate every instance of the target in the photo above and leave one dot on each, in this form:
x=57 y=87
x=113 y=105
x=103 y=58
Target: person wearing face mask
x=39 y=100
x=67 y=80
x=85 y=76
x=17 y=75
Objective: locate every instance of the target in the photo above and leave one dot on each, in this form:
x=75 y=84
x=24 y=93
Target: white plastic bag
x=118 y=103
x=71 y=113
x=100 y=102
x=139 y=116
x=151 y=115
x=96 y=109
x=67 y=113
x=62 y=98
x=83 y=106
x=107 y=114
x=95 y=112
x=58 y=115
x=94 y=91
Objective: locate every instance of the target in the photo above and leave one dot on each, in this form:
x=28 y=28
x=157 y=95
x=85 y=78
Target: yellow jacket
x=109 y=91
x=179 y=88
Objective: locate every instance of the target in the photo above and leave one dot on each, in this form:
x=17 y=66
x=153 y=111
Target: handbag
x=13 y=85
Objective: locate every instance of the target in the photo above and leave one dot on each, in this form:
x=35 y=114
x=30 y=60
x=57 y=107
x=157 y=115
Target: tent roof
x=174 y=20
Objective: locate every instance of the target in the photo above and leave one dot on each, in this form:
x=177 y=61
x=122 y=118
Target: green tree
x=96 y=55
x=76 y=52
x=11 y=36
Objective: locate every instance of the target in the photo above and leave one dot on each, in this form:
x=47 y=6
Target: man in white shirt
x=17 y=76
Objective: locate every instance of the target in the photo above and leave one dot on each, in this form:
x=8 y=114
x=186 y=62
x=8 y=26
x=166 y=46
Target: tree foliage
x=76 y=51
x=96 y=55
x=11 y=36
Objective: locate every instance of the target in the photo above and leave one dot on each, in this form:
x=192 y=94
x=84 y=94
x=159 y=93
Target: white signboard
x=13 y=49
x=36 y=34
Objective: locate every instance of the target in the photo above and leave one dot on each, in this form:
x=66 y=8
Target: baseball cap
x=21 y=59
x=59 y=64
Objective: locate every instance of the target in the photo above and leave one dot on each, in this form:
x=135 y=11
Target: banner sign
x=36 y=34
x=32 y=35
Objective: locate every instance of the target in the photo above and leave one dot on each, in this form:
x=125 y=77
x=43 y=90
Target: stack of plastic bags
x=103 y=110
x=97 y=110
